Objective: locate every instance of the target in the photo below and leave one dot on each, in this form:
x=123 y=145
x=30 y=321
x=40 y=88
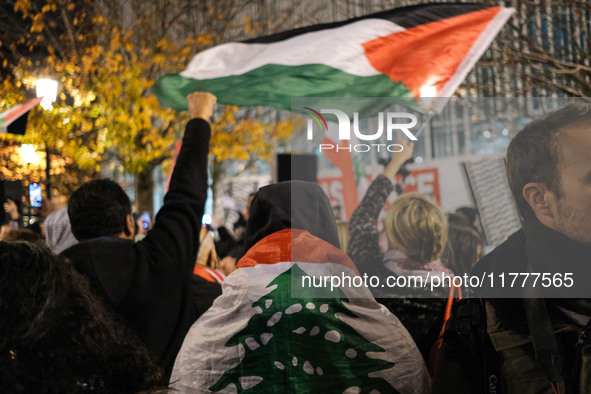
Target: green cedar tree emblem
x=299 y=345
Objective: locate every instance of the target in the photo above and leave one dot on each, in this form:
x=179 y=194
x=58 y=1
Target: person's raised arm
x=176 y=228
x=364 y=248
x=11 y=209
x=201 y=105
x=398 y=159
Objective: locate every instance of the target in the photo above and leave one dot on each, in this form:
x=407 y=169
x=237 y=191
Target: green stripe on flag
x=275 y=85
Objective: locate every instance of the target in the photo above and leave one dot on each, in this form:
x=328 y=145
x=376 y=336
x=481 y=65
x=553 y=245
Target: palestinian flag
x=424 y=50
x=260 y=336
x=14 y=120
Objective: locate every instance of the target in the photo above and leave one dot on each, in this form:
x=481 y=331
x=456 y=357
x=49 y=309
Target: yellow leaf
x=158 y=59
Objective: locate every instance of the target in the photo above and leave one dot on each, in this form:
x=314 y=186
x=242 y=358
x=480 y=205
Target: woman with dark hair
x=56 y=336
x=467 y=246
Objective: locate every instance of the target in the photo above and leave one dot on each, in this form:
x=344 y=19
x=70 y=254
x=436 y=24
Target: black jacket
x=537 y=249
x=149 y=282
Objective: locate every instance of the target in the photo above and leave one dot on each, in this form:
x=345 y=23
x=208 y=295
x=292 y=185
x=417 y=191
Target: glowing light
x=206 y=219
x=486 y=134
x=418 y=159
x=29 y=154
x=428 y=91
x=46 y=88
x=505 y=132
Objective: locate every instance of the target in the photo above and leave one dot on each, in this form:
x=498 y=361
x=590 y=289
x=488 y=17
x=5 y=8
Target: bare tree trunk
x=217 y=173
x=144 y=190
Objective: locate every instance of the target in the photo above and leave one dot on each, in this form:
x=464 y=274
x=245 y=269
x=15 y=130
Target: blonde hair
x=416 y=226
x=343 y=229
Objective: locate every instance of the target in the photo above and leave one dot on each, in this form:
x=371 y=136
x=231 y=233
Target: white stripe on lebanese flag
x=332 y=47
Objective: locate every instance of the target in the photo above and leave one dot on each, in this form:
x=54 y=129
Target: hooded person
x=272 y=330
x=58 y=232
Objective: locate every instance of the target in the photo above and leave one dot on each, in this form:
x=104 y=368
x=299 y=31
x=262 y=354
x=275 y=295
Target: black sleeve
x=364 y=248
x=175 y=234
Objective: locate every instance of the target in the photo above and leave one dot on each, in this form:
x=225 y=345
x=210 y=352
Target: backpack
x=465 y=341
x=455 y=294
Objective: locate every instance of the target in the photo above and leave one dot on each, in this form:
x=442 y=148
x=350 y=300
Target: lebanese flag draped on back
x=393 y=53
x=269 y=332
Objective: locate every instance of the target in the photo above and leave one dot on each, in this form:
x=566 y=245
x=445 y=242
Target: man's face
x=573 y=208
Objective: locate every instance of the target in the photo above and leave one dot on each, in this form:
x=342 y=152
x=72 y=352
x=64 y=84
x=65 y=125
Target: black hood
x=291 y=204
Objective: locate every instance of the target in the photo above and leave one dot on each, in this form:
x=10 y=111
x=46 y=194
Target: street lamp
x=29 y=154
x=46 y=88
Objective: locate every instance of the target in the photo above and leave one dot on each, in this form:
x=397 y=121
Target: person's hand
x=408 y=150
x=4 y=229
x=201 y=105
x=11 y=209
x=399 y=158
x=227 y=265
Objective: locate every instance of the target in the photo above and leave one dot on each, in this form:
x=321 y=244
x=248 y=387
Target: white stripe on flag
x=340 y=48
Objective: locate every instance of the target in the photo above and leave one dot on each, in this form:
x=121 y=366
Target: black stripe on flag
x=406 y=17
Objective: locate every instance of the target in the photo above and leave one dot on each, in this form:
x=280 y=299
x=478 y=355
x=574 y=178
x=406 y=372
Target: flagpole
x=403 y=170
x=430 y=116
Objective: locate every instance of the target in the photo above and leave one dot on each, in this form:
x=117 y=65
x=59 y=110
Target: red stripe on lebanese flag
x=208 y=274
x=294 y=245
x=432 y=54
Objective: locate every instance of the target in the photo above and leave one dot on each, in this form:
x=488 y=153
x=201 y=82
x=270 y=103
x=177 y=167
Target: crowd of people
x=99 y=299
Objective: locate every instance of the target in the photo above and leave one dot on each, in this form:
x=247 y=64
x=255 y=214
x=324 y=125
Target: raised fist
x=201 y=105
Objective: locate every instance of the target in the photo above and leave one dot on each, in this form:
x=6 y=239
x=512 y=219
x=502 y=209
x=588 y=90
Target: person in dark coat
x=549 y=172
x=148 y=283
x=539 y=324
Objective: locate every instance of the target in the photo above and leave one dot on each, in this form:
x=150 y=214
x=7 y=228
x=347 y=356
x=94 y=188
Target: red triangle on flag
x=428 y=54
